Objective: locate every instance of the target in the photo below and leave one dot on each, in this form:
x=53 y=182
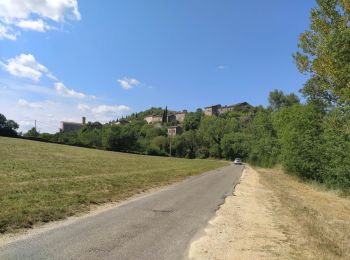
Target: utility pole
x=170 y=144
x=35 y=125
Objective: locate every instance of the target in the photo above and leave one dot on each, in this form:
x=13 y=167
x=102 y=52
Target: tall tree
x=32 y=133
x=277 y=99
x=7 y=127
x=325 y=52
x=165 y=115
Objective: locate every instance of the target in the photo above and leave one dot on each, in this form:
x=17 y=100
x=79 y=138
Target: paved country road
x=159 y=225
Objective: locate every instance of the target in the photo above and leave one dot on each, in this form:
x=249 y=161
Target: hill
x=42 y=182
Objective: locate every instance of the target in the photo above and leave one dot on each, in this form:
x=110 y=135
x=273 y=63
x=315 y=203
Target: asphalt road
x=159 y=225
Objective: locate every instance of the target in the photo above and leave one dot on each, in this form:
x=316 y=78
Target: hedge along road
x=159 y=225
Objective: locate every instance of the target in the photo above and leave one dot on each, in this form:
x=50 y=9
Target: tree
x=186 y=144
x=264 y=148
x=299 y=135
x=7 y=127
x=336 y=147
x=165 y=115
x=213 y=129
x=192 y=120
x=32 y=133
x=277 y=99
x=91 y=135
x=325 y=52
x=235 y=145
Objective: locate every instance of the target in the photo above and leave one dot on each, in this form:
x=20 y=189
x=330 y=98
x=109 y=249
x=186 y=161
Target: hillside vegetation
x=41 y=182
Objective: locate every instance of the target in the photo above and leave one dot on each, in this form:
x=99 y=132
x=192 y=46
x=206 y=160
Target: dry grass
x=41 y=182
x=315 y=222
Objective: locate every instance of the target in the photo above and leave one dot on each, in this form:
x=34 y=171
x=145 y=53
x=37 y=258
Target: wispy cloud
x=66 y=92
x=117 y=110
x=128 y=83
x=29 y=105
x=6 y=33
x=221 y=67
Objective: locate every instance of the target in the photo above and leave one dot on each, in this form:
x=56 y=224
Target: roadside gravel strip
x=243 y=227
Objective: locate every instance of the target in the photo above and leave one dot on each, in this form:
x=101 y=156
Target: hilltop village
x=162 y=118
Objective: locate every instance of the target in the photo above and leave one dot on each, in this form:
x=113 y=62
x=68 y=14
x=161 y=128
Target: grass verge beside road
x=42 y=182
x=316 y=222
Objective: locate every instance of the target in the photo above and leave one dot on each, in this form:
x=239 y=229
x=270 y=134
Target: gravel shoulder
x=243 y=227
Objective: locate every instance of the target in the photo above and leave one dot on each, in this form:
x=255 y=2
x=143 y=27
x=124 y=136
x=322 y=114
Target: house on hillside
x=121 y=122
x=68 y=127
x=153 y=119
x=218 y=109
x=171 y=118
x=174 y=130
x=180 y=116
x=212 y=110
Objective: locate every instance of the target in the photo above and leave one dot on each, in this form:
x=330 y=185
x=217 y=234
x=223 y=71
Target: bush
x=299 y=135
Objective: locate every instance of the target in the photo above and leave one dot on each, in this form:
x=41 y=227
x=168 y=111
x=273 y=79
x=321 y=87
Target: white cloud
x=83 y=107
x=20 y=14
x=56 y=10
x=25 y=66
x=35 y=25
x=66 y=92
x=128 y=83
x=104 y=109
x=26 y=104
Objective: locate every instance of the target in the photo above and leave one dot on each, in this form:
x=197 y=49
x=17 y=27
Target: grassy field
x=41 y=182
x=316 y=222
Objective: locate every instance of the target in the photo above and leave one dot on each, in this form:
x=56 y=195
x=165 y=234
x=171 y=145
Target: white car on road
x=237 y=161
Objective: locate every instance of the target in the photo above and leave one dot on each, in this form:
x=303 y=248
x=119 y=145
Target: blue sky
x=63 y=59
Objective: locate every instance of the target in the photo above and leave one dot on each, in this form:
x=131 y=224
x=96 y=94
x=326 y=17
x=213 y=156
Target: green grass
x=41 y=182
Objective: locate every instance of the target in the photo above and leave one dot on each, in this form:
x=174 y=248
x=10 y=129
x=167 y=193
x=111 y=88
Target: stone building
x=218 y=109
x=212 y=110
x=171 y=119
x=180 y=116
x=174 y=130
x=153 y=119
x=67 y=127
x=122 y=122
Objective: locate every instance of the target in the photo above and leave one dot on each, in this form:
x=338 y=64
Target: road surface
x=159 y=225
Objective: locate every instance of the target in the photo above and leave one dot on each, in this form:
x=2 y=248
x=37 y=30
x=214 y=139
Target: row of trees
x=307 y=139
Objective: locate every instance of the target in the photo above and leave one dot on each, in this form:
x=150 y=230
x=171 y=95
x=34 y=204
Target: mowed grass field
x=42 y=182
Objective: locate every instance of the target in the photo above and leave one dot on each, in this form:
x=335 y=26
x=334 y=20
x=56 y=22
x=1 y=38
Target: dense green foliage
x=325 y=53
x=7 y=127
